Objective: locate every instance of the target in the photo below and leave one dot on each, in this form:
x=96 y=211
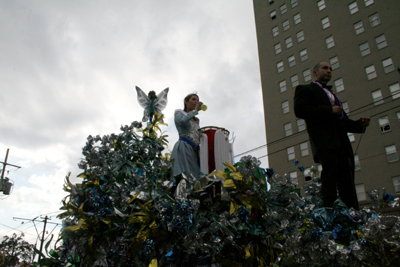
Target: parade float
x=128 y=211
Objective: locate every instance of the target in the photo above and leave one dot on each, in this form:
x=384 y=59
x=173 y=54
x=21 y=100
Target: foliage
x=16 y=249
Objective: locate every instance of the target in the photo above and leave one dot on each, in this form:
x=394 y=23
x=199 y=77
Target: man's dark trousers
x=338 y=169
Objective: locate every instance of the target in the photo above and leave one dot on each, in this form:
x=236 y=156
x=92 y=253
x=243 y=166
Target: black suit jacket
x=325 y=129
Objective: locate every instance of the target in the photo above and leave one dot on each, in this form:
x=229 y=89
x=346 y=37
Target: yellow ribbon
x=234 y=207
x=153 y=263
x=221 y=174
x=133 y=198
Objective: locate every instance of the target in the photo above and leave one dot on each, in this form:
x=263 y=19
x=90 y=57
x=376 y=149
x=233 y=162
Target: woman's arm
x=182 y=117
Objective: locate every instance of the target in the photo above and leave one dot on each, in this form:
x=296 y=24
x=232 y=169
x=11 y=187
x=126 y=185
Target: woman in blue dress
x=185 y=154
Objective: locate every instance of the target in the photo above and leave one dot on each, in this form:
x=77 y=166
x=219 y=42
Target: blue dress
x=184 y=156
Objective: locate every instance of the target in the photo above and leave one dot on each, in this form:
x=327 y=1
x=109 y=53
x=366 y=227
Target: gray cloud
x=69 y=68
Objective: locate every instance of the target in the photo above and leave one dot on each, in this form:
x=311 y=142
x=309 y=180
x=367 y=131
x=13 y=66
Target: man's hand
x=365 y=121
x=337 y=110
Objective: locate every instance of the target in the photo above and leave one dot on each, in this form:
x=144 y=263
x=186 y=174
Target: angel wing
x=142 y=98
x=162 y=100
x=151 y=106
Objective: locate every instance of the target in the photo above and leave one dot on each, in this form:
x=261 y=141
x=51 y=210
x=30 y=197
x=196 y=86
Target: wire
x=17 y=229
x=251 y=150
x=32 y=201
x=303 y=132
x=373 y=104
x=385 y=111
x=307 y=140
x=373 y=156
x=59 y=211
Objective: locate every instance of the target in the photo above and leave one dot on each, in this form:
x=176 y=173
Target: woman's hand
x=198 y=106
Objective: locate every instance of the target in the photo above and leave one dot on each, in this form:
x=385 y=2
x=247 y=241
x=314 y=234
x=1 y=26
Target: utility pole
x=5 y=185
x=45 y=221
x=42 y=241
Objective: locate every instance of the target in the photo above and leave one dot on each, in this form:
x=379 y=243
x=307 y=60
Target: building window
x=286 y=25
x=280 y=67
x=364 y=49
x=283 y=9
x=359 y=27
x=300 y=36
x=384 y=124
x=290 y=153
x=353 y=8
x=297 y=19
x=321 y=5
x=278 y=48
x=339 y=85
x=346 y=109
x=292 y=61
x=334 y=62
x=275 y=31
x=307 y=75
x=351 y=137
x=273 y=14
x=374 y=20
x=370 y=71
x=304 y=149
x=295 y=80
x=288 y=129
x=357 y=165
x=377 y=97
x=388 y=65
x=288 y=42
x=368 y=2
x=303 y=55
x=293 y=176
x=285 y=107
x=301 y=125
x=396 y=183
x=395 y=90
x=325 y=23
x=329 y=42
x=282 y=86
x=381 y=41
x=294 y=3
x=361 y=192
x=391 y=153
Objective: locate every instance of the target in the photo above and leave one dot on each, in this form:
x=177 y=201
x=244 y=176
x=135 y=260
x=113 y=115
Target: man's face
x=324 y=72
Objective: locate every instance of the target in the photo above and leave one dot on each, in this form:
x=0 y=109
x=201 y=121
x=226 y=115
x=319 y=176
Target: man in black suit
x=327 y=127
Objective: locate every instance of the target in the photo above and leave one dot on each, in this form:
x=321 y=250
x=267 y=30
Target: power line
x=45 y=221
x=30 y=201
x=373 y=156
x=16 y=229
x=373 y=104
x=51 y=212
x=303 y=132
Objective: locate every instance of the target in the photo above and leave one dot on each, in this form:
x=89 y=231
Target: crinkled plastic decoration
x=129 y=211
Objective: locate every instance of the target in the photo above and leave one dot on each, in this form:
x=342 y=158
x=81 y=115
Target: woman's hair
x=187 y=98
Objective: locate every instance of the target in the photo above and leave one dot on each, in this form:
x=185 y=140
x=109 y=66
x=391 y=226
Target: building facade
x=361 y=41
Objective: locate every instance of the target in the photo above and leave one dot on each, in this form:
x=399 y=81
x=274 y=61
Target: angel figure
x=152 y=103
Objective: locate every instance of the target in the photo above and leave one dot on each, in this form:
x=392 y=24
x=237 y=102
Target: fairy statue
x=152 y=103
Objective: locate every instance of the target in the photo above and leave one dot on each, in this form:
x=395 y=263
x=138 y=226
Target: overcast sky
x=68 y=69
